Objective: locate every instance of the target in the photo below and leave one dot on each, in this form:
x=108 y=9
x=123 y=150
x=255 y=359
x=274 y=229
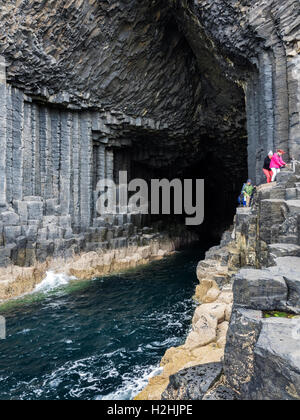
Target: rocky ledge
x=245 y=336
x=16 y=281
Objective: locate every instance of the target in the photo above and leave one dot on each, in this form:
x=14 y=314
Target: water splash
x=133 y=384
x=53 y=281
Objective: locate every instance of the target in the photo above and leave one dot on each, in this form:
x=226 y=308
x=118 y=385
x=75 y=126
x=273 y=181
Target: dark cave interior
x=224 y=171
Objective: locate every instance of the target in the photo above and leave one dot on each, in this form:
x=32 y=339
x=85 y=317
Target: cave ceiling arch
x=135 y=56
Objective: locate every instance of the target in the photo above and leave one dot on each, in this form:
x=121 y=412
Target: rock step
x=288 y=239
x=283 y=250
x=293 y=205
x=292 y=194
x=273 y=289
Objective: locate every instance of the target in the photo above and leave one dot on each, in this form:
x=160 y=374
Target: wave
x=53 y=281
x=133 y=385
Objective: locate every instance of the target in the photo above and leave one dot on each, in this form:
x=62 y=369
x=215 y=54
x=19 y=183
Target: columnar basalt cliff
x=173 y=88
x=90 y=88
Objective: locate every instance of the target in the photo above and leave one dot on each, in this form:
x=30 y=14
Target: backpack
x=241 y=196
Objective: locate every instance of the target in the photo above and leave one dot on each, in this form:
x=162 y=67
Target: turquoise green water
x=97 y=339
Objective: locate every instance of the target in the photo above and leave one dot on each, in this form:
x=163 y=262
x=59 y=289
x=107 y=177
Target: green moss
x=277 y=314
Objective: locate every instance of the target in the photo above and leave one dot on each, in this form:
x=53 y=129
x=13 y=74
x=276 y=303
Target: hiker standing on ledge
x=248 y=191
x=267 y=170
x=277 y=163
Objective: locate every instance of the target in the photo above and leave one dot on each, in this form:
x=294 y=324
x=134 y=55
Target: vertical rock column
x=31 y=147
x=45 y=159
x=281 y=100
x=102 y=162
x=65 y=172
x=36 y=147
x=266 y=104
x=100 y=173
x=110 y=170
x=86 y=172
x=3 y=114
x=55 y=153
x=110 y=164
x=9 y=144
x=75 y=206
x=294 y=100
x=28 y=153
x=267 y=109
x=17 y=135
x=252 y=125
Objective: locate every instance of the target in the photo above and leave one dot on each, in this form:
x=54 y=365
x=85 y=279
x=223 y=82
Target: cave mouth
x=221 y=190
x=199 y=131
x=154 y=156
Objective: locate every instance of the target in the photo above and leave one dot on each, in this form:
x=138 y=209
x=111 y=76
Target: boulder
x=9 y=218
x=212 y=295
x=277 y=361
x=203 y=288
x=243 y=333
x=204 y=332
x=260 y=290
x=289 y=269
x=221 y=334
x=283 y=250
x=225 y=297
x=193 y=383
x=217 y=310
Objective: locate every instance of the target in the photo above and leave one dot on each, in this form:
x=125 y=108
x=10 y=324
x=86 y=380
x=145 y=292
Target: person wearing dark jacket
x=267 y=170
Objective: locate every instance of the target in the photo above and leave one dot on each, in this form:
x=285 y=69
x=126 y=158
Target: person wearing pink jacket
x=277 y=163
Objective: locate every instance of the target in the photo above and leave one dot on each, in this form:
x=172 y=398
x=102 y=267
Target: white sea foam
x=132 y=385
x=53 y=281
